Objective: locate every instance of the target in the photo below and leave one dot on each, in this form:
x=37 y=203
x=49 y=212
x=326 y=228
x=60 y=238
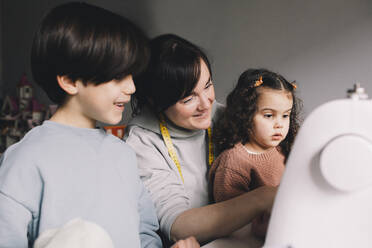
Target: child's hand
x=190 y=242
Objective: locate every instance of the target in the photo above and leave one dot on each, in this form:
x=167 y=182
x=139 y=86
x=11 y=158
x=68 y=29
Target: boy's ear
x=67 y=85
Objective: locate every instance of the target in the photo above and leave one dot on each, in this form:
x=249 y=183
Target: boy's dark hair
x=87 y=43
x=236 y=122
x=172 y=73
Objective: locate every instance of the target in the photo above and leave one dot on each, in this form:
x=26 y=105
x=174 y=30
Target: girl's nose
x=278 y=123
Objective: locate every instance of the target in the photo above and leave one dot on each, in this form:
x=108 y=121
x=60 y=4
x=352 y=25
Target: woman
x=174 y=107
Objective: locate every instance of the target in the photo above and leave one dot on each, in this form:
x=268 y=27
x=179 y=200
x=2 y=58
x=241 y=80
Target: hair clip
x=258 y=82
x=293 y=84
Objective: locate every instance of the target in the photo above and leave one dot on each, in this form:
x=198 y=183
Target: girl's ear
x=67 y=85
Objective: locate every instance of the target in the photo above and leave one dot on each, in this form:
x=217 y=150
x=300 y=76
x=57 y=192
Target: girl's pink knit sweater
x=236 y=171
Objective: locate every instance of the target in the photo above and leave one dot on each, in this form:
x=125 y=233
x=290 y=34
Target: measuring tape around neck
x=172 y=152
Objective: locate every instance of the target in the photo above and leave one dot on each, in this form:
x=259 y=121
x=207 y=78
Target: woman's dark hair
x=172 y=73
x=87 y=43
x=236 y=122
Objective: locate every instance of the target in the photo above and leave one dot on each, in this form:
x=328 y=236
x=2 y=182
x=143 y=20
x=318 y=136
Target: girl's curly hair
x=236 y=122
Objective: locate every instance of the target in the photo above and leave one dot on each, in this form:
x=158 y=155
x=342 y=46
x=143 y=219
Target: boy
x=83 y=57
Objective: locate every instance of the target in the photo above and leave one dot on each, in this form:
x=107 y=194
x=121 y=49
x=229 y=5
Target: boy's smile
x=119 y=105
x=105 y=102
x=89 y=103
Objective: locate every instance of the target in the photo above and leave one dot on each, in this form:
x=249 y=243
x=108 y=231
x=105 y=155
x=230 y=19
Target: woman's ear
x=67 y=85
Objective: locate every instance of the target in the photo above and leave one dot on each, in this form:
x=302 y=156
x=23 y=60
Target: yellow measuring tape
x=172 y=152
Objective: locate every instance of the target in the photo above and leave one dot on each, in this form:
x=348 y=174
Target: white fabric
x=76 y=233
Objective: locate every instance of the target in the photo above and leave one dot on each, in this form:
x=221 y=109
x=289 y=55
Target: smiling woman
x=171 y=133
x=194 y=111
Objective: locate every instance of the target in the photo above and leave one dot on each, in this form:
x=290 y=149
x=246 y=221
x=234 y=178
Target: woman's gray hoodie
x=158 y=171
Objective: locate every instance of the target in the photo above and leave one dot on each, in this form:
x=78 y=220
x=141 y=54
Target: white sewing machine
x=325 y=197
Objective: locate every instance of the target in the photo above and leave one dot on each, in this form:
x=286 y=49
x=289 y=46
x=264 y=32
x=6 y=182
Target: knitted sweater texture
x=236 y=171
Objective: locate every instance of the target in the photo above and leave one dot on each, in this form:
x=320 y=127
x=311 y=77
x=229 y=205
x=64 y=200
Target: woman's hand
x=190 y=242
x=260 y=224
x=223 y=218
x=265 y=196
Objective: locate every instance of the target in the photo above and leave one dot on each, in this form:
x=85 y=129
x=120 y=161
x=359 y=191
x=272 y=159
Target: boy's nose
x=128 y=87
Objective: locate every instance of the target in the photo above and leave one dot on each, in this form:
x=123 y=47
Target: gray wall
x=323 y=44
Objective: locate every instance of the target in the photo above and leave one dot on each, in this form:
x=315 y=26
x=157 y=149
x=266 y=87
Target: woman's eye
x=208 y=84
x=186 y=100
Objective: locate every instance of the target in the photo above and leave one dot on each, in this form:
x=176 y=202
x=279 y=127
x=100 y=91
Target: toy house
x=21 y=113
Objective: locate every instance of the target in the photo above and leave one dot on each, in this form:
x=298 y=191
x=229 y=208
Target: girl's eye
x=268 y=115
x=285 y=116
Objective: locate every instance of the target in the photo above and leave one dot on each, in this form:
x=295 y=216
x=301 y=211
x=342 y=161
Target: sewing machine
x=325 y=196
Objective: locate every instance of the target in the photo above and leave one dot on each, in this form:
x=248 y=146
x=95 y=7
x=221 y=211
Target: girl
x=254 y=136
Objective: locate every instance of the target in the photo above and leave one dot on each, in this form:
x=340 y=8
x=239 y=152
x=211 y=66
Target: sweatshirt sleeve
x=14 y=219
x=20 y=187
x=163 y=183
x=148 y=221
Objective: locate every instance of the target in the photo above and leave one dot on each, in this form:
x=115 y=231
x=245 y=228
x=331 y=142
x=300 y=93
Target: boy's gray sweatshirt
x=160 y=174
x=57 y=173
